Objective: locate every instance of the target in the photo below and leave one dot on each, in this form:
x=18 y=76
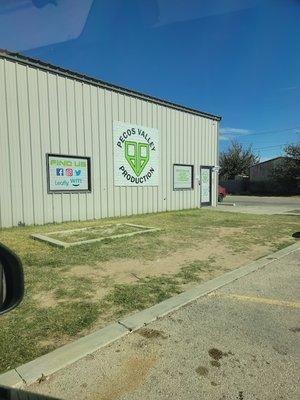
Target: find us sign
x=136 y=155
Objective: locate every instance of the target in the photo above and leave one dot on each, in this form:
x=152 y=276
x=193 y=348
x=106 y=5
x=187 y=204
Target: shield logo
x=137 y=154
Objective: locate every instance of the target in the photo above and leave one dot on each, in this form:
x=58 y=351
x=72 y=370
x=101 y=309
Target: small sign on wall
x=68 y=174
x=205 y=182
x=183 y=176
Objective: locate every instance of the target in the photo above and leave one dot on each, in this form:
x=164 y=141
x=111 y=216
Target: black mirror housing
x=11 y=273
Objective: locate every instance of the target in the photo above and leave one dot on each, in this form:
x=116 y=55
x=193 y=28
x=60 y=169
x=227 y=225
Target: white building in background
x=77 y=148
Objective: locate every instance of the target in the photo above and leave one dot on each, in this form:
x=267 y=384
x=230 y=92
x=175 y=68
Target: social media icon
x=77 y=172
x=69 y=172
x=59 y=171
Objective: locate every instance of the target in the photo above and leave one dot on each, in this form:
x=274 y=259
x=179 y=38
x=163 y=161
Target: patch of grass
x=77 y=288
x=75 y=316
x=41 y=254
x=24 y=331
x=151 y=290
x=190 y=272
x=282 y=245
x=181 y=229
x=142 y=294
x=59 y=305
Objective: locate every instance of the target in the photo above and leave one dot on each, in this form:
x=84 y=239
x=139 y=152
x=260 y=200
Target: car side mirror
x=11 y=280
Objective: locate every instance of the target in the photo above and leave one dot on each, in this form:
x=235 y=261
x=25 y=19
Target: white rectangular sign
x=68 y=173
x=136 y=155
x=182 y=176
x=205 y=185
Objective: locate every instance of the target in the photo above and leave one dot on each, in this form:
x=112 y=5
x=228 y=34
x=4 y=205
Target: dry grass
x=70 y=292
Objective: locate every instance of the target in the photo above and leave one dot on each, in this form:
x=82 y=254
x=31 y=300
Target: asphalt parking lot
x=261 y=204
x=239 y=342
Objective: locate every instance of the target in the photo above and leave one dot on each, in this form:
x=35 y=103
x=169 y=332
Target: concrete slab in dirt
x=65 y=244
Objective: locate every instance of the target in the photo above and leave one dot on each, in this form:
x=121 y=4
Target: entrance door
x=205 y=185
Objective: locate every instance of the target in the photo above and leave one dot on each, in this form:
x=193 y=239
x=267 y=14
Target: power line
x=272 y=146
x=268 y=143
x=263 y=132
x=269 y=147
x=274 y=131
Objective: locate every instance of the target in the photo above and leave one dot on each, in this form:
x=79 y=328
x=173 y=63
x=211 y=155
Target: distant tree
x=287 y=174
x=237 y=160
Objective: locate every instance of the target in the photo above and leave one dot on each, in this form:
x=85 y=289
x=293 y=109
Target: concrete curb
x=144 y=317
x=11 y=379
x=62 y=357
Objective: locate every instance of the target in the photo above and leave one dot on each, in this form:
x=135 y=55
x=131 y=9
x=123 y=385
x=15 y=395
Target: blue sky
x=236 y=58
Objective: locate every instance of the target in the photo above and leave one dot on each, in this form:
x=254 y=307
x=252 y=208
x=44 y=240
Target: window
x=183 y=177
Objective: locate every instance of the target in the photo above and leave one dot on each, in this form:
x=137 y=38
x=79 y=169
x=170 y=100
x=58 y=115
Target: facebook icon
x=59 y=171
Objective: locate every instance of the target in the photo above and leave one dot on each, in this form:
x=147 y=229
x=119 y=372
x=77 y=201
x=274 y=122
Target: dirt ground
x=72 y=292
x=132 y=270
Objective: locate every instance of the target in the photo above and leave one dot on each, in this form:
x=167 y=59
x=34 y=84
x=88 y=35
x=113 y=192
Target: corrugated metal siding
x=42 y=112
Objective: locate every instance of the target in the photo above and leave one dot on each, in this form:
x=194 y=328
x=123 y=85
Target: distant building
x=263 y=171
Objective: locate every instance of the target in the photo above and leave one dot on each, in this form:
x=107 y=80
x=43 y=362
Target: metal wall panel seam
x=41 y=147
x=20 y=153
x=8 y=143
x=5 y=197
